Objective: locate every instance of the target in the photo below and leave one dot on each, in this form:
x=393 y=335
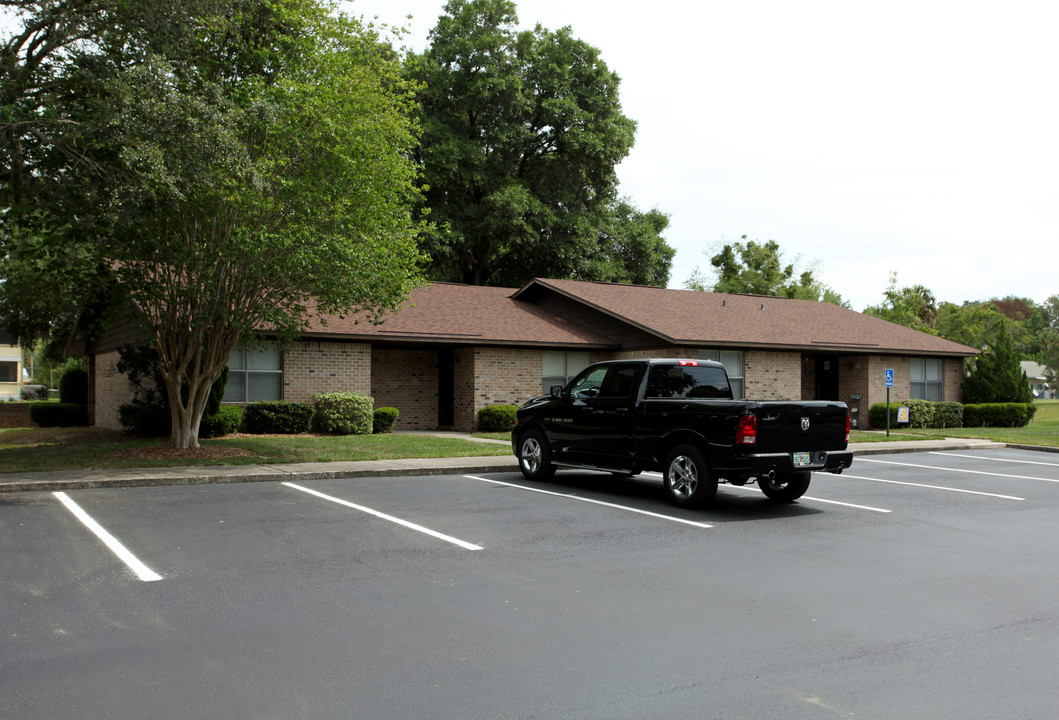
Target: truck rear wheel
x=785 y=488
x=535 y=457
x=688 y=478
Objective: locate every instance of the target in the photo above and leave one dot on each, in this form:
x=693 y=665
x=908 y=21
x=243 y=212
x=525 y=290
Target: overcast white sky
x=920 y=136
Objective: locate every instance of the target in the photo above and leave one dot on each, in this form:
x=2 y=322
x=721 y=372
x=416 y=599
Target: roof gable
x=691 y=317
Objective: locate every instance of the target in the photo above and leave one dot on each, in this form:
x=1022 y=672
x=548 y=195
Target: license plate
x=802 y=459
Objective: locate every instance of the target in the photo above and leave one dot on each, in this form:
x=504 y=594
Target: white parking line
x=932 y=487
x=390 y=518
x=593 y=502
x=804 y=497
x=994 y=459
x=750 y=488
x=947 y=469
x=142 y=571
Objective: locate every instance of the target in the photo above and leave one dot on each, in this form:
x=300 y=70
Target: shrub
x=278 y=417
x=877 y=415
x=383 y=419
x=343 y=413
x=223 y=422
x=998 y=414
x=73 y=387
x=140 y=418
x=52 y=414
x=934 y=414
x=497 y=418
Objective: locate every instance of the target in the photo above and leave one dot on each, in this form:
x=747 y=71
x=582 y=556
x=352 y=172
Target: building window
x=925 y=375
x=560 y=367
x=254 y=374
x=733 y=365
x=8 y=372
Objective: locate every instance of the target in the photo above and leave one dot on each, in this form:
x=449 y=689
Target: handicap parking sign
x=889 y=378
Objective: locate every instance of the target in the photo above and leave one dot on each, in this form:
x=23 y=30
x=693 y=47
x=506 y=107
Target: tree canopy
x=216 y=167
x=914 y=307
x=749 y=266
x=996 y=376
x=521 y=135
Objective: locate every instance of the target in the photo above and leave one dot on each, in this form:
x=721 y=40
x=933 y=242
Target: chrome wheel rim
x=531 y=455
x=683 y=477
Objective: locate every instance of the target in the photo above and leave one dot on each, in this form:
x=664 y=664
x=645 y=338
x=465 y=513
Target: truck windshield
x=671 y=381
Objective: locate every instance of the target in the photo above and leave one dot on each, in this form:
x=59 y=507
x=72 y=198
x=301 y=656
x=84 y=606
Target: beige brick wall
x=772 y=375
x=408 y=381
x=494 y=376
x=110 y=390
x=313 y=367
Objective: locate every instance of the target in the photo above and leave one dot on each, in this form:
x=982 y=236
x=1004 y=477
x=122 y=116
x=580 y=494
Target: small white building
x=1035 y=373
x=10 y=368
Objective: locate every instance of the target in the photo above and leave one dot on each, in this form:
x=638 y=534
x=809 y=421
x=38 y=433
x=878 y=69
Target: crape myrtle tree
x=215 y=167
x=521 y=135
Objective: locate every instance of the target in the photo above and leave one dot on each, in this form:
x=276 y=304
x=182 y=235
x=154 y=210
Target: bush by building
x=497 y=418
x=383 y=419
x=343 y=413
x=58 y=414
x=278 y=417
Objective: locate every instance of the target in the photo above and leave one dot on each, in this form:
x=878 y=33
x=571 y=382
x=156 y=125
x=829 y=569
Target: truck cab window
x=668 y=381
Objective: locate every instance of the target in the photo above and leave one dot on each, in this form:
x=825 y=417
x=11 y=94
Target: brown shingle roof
x=466 y=314
x=472 y=315
x=701 y=318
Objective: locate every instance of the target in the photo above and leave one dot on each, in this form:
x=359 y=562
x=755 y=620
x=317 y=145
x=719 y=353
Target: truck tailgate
x=799 y=427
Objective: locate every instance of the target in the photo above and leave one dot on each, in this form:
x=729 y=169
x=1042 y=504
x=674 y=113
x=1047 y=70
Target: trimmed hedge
x=383 y=419
x=278 y=417
x=998 y=414
x=877 y=415
x=52 y=414
x=343 y=413
x=497 y=418
x=921 y=414
x=147 y=420
x=223 y=422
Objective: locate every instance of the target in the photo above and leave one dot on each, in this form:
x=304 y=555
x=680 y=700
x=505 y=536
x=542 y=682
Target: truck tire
x=785 y=488
x=534 y=456
x=688 y=478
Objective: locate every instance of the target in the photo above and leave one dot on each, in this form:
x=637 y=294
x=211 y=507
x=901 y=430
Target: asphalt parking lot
x=918 y=585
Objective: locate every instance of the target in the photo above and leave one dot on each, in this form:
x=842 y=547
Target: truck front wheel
x=688 y=478
x=535 y=457
x=785 y=488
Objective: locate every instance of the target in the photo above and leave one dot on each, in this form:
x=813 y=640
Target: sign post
x=889 y=384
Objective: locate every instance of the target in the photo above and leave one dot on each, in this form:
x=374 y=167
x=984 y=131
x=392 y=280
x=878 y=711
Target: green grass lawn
x=44 y=449
x=1042 y=430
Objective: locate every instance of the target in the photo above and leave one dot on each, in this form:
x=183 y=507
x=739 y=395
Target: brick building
x=452 y=349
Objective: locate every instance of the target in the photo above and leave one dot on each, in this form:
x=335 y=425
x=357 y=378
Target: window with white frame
x=733 y=365
x=560 y=366
x=925 y=375
x=254 y=374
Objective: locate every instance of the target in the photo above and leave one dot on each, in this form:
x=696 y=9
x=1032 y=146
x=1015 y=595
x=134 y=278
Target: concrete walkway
x=204 y=474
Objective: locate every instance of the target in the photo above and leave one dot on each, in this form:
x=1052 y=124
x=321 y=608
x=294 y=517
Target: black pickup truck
x=678 y=417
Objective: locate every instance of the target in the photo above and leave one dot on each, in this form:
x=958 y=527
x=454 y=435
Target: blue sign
x=889 y=377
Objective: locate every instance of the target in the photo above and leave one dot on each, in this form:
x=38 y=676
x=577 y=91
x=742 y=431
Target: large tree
x=217 y=167
x=521 y=135
x=996 y=375
x=749 y=266
x=914 y=306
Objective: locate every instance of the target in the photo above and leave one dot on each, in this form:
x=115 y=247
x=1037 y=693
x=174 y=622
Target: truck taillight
x=746 y=430
x=847 y=427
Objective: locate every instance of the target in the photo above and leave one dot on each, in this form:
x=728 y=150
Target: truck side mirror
x=557 y=391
